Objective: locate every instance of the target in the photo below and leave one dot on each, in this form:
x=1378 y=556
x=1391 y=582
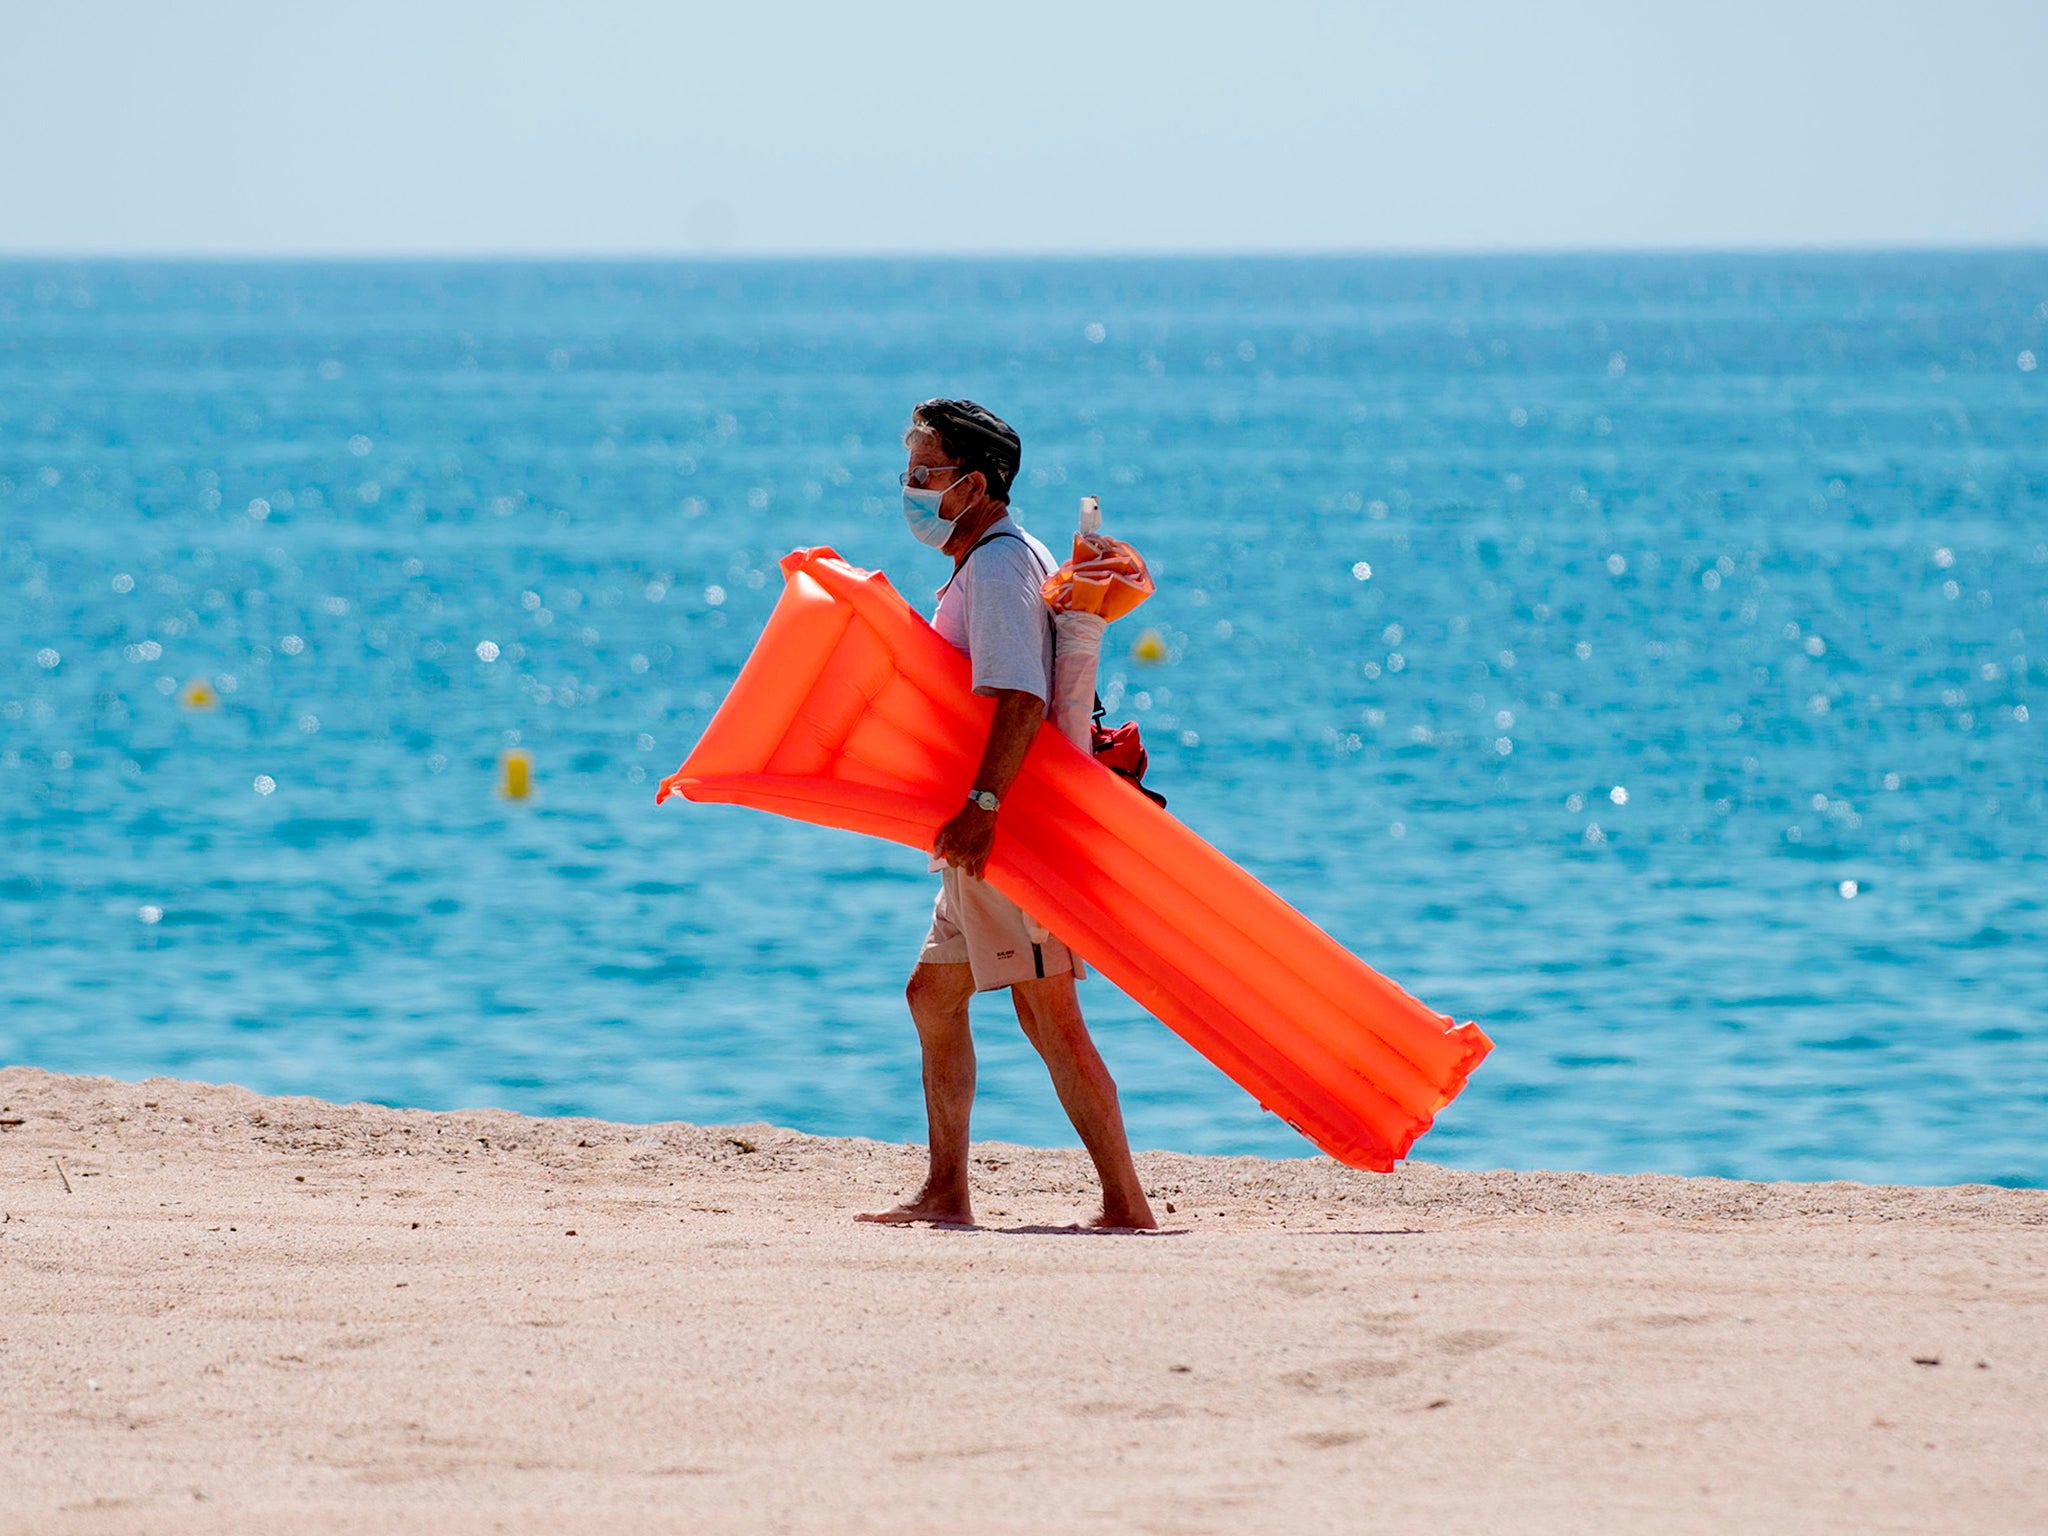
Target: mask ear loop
x=949 y=490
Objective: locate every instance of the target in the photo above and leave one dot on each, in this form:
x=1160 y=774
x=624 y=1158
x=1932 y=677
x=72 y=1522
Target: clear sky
x=449 y=127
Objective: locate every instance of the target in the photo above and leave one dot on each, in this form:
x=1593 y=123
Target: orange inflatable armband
x=852 y=712
x=1105 y=576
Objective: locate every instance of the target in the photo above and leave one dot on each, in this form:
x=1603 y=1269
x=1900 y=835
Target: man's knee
x=1048 y=1011
x=932 y=994
x=1027 y=1017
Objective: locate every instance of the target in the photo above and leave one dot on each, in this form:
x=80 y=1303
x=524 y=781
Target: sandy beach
x=224 y=1312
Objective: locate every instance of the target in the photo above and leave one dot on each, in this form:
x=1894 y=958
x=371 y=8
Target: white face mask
x=921 y=506
x=921 y=511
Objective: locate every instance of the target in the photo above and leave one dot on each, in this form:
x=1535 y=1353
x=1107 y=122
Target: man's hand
x=964 y=842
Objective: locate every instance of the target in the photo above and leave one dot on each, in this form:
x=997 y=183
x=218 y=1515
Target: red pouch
x=1120 y=751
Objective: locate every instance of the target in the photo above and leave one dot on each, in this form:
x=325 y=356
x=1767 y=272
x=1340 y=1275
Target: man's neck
x=971 y=528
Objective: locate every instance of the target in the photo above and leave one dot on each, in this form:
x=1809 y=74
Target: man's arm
x=964 y=841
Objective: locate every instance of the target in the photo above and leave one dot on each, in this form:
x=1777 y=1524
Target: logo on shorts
x=1006 y=954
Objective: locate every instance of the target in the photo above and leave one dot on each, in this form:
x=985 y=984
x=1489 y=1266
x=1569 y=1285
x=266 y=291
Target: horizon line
x=768 y=256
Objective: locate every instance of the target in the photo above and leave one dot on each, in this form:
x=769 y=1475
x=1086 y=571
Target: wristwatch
x=985 y=798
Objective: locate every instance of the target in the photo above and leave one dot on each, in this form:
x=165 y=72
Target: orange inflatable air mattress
x=852 y=712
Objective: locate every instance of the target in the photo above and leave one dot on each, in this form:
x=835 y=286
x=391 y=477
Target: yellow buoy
x=199 y=694
x=515 y=775
x=1151 y=646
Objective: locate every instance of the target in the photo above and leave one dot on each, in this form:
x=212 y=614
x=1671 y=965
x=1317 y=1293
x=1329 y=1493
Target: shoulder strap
x=1049 y=624
x=984 y=540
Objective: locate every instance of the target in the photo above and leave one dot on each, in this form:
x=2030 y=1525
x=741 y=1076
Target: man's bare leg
x=1050 y=1012
x=938 y=996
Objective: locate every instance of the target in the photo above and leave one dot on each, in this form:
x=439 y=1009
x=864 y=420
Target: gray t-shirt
x=992 y=611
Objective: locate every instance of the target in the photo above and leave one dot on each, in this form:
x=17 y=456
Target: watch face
x=985 y=799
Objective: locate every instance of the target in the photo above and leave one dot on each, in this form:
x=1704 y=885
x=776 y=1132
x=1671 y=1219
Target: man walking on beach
x=956 y=498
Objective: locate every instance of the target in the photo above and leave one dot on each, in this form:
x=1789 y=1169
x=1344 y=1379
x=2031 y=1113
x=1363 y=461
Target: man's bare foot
x=1120 y=1220
x=949 y=1212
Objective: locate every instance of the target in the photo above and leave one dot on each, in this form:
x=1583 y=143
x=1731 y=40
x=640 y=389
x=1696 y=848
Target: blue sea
x=1646 y=657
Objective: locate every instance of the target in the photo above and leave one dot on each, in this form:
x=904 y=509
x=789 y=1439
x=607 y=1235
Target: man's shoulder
x=1012 y=554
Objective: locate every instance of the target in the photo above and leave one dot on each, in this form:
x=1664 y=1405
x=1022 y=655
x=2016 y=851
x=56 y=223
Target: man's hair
x=973 y=437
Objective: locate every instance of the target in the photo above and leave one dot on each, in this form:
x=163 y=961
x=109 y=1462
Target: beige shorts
x=976 y=925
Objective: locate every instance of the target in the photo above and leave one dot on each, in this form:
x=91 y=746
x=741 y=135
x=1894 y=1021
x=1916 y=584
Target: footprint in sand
x=1339 y=1374
x=1295 y=1282
x=1330 y=1439
x=1386 y=1324
x=1471 y=1341
x=1099 y=1410
x=1655 y=1320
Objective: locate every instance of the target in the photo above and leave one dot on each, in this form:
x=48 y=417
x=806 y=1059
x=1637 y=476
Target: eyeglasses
x=920 y=475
